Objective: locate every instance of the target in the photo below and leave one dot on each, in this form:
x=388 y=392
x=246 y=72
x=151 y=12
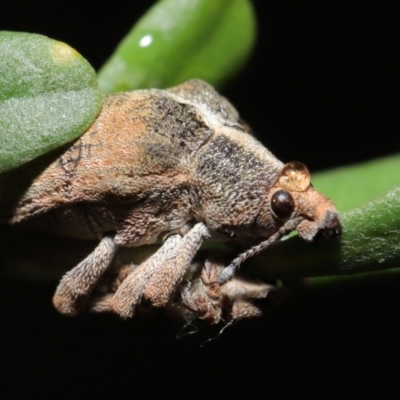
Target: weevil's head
x=293 y=203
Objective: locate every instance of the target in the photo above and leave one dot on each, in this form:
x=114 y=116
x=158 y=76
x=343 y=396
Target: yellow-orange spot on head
x=295 y=177
x=61 y=53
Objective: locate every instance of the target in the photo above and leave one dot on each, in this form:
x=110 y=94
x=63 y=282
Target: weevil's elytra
x=175 y=165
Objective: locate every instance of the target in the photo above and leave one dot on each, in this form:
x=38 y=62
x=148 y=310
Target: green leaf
x=351 y=186
x=178 y=40
x=48 y=96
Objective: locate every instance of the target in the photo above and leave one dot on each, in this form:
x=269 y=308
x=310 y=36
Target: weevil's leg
x=162 y=272
x=103 y=292
x=244 y=309
x=78 y=283
x=172 y=270
x=129 y=294
x=101 y=304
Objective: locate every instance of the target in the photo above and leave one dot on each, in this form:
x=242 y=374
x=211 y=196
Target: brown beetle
x=174 y=165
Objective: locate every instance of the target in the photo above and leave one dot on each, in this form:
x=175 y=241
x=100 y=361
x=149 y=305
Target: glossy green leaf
x=353 y=185
x=48 y=96
x=178 y=40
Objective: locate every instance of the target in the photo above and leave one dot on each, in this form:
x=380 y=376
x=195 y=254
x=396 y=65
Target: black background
x=321 y=87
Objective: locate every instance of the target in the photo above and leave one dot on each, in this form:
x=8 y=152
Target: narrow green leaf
x=179 y=40
x=48 y=96
x=354 y=185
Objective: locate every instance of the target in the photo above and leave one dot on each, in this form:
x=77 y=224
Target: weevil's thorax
x=233 y=174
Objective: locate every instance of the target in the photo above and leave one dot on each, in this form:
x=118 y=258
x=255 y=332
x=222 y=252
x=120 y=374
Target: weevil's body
x=153 y=161
x=156 y=164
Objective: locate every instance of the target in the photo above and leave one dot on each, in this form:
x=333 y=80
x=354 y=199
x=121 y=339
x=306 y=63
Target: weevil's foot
x=70 y=303
x=129 y=294
x=161 y=287
x=77 y=284
x=122 y=305
x=67 y=301
x=63 y=307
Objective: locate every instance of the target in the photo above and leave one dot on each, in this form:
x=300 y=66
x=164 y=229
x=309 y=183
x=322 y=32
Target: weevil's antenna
x=230 y=270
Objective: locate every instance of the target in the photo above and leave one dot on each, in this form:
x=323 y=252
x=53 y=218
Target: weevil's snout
x=321 y=219
x=330 y=227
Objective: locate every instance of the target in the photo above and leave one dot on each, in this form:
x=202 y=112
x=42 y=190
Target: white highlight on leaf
x=146 y=41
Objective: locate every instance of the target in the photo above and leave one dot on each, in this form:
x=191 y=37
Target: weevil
x=177 y=166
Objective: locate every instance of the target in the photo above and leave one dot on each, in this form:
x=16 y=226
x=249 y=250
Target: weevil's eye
x=282 y=204
x=294 y=177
